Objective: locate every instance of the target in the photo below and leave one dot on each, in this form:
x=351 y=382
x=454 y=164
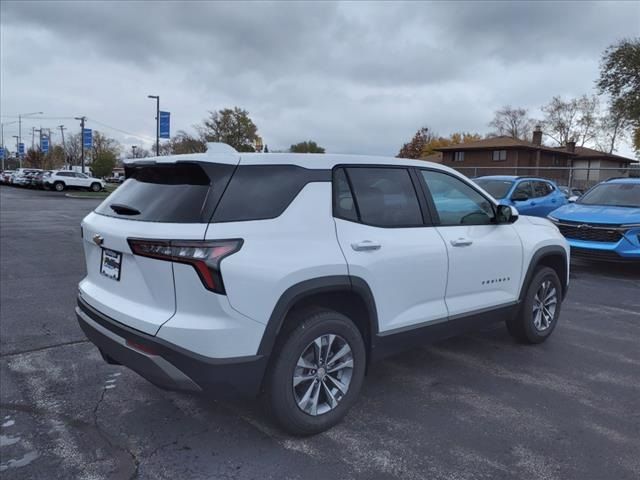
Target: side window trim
x=408 y=169
x=429 y=197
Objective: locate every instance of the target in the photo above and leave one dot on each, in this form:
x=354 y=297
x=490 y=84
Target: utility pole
x=20 y=115
x=133 y=150
x=157 y=98
x=64 y=148
x=33 y=134
x=82 y=120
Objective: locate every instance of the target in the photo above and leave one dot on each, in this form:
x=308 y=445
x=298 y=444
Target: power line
x=135 y=135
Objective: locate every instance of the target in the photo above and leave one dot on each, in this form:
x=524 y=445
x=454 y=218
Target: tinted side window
x=344 y=204
x=540 y=189
x=456 y=202
x=385 y=197
x=259 y=192
x=523 y=187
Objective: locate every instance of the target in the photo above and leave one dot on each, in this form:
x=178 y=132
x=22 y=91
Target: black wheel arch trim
x=307 y=288
x=540 y=254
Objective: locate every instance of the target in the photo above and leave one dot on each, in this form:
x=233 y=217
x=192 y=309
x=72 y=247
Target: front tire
x=540 y=308
x=96 y=187
x=317 y=373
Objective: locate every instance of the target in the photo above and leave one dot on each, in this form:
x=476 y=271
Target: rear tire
x=59 y=186
x=96 y=187
x=326 y=389
x=540 y=310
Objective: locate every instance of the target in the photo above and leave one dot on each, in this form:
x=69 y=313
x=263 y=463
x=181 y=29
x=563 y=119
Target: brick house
x=510 y=156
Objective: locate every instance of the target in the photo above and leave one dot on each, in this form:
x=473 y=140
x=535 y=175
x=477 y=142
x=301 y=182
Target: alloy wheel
x=323 y=374
x=544 y=305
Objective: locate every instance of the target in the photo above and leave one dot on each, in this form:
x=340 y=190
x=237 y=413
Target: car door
x=82 y=180
x=525 y=207
x=484 y=258
x=383 y=228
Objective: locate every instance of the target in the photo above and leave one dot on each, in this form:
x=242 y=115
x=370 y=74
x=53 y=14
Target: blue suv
x=531 y=196
x=604 y=224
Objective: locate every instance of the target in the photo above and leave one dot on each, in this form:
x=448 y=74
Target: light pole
x=157 y=99
x=82 y=120
x=133 y=150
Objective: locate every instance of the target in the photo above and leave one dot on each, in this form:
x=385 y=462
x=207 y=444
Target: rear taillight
x=204 y=256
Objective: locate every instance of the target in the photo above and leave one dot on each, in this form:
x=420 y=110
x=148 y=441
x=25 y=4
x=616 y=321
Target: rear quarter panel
x=278 y=253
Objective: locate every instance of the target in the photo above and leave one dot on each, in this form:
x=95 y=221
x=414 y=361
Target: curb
x=71 y=195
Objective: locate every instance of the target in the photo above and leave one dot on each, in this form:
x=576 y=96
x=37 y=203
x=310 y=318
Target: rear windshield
x=496 y=188
x=171 y=193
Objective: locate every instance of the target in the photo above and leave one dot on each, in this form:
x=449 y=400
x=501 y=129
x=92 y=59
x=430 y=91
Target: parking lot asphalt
x=476 y=406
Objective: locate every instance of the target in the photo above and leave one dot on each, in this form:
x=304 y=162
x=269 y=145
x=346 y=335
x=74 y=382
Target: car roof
x=623 y=180
x=512 y=177
x=308 y=160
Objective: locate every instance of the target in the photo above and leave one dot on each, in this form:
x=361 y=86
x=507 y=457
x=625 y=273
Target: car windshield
x=613 y=195
x=496 y=188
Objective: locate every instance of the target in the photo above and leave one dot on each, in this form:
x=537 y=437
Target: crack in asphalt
x=39 y=349
x=106 y=437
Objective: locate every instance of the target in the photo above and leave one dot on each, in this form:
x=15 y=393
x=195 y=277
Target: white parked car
x=61 y=179
x=289 y=273
x=21 y=177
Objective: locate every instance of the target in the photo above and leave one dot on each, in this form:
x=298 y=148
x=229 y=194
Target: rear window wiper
x=124 y=209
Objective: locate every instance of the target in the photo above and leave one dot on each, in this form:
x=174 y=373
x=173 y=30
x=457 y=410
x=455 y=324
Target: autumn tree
x=512 y=122
x=306 y=147
x=620 y=79
x=230 y=126
x=455 y=138
x=575 y=119
x=416 y=147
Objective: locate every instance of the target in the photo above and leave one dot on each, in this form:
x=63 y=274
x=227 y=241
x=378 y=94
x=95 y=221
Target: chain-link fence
x=573 y=177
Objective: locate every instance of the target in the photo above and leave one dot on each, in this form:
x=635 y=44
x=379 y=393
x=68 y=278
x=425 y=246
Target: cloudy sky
x=355 y=77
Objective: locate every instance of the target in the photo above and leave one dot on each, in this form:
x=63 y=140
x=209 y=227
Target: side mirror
x=519 y=197
x=573 y=199
x=506 y=214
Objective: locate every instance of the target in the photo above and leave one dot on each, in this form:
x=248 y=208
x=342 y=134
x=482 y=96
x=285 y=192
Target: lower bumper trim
x=172 y=368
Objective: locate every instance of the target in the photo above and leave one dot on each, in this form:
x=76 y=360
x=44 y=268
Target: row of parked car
x=58 y=180
x=602 y=223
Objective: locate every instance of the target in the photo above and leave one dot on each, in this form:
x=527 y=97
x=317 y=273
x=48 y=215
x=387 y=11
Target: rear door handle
x=461 y=242
x=365 y=245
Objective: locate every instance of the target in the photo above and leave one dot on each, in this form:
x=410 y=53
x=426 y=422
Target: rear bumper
x=169 y=366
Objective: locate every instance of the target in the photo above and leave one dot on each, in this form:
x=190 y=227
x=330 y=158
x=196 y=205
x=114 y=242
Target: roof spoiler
x=217 y=148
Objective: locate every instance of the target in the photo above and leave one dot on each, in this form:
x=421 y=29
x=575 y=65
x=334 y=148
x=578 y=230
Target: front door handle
x=461 y=242
x=365 y=245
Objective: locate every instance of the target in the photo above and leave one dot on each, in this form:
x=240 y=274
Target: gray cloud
x=357 y=77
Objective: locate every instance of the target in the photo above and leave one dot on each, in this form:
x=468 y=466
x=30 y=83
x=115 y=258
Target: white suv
x=61 y=179
x=287 y=274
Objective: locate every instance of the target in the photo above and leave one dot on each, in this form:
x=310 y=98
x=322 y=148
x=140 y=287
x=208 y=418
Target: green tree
x=306 y=147
x=230 y=126
x=103 y=144
x=103 y=164
x=620 y=79
x=424 y=143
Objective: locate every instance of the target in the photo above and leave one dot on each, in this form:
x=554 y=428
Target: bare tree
x=612 y=129
x=512 y=122
x=575 y=119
